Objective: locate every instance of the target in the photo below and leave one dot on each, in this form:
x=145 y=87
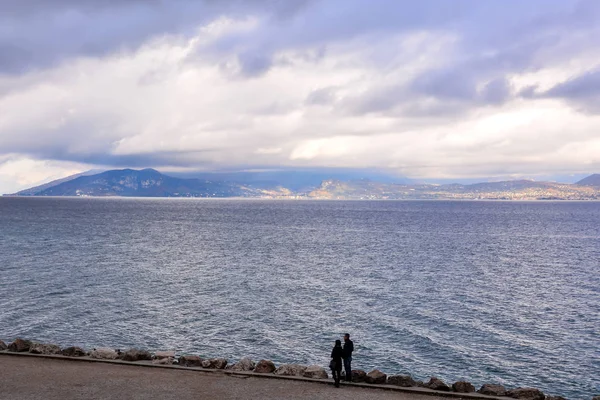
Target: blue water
x=492 y=292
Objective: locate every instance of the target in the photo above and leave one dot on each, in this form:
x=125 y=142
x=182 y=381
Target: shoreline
x=34 y=377
x=250 y=374
x=303 y=199
x=266 y=369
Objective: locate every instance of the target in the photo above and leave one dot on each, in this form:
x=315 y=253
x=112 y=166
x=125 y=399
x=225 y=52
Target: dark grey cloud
x=321 y=97
x=435 y=95
x=581 y=91
x=254 y=64
x=582 y=87
x=449 y=84
x=511 y=33
x=495 y=39
x=35 y=34
x=496 y=91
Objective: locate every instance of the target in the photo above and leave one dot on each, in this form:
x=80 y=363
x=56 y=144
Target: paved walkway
x=25 y=378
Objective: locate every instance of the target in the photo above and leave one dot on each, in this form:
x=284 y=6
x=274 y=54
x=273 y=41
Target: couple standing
x=338 y=354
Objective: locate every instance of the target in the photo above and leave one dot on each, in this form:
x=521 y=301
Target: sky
x=433 y=89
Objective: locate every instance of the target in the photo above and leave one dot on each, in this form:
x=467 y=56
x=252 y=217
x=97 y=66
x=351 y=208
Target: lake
x=491 y=292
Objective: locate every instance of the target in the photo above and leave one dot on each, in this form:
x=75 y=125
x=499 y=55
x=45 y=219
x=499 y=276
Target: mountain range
x=152 y=183
x=142 y=183
x=505 y=190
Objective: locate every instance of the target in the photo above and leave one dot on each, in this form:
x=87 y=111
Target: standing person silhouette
x=336 y=362
x=347 y=355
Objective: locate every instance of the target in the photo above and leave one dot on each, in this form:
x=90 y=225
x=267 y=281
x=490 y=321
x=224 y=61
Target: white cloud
x=18 y=173
x=253 y=92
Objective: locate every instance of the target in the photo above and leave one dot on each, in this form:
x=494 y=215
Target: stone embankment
x=266 y=367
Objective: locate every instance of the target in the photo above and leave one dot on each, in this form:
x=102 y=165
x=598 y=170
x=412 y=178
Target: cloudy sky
x=429 y=89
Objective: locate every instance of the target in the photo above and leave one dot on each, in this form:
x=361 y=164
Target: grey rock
x=560 y=398
x=526 y=394
x=3 y=346
x=402 y=380
x=136 y=355
x=315 y=372
x=264 y=367
x=358 y=375
x=19 y=345
x=463 y=387
x=596 y=398
x=73 y=351
x=104 y=353
x=41 y=348
x=159 y=355
x=163 y=361
x=290 y=370
x=215 y=363
x=190 y=361
x=437 y=384
x=376 y=377
x=245 y=364
x=493 y=390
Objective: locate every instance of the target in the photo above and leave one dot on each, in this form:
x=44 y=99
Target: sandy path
x=24 y=378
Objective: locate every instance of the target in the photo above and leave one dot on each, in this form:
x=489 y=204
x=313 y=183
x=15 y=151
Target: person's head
x=338 y=343
x=346 y=336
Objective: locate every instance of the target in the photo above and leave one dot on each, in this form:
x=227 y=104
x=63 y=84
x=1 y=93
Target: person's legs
x=336 y=376
x=348 y=368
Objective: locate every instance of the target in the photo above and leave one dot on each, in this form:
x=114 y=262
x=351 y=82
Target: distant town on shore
x=152 y=183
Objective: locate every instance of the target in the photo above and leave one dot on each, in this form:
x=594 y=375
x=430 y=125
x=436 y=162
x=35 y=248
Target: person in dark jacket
x=336 y=362
x=347 y=355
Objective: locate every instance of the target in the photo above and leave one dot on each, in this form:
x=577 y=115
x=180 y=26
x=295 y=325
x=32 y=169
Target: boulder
x=493 y=390
x=3 y=346
x=264 y=367
x=560 y=398
x=163 y=361
x=245 y=364
x=437 y=384
x=104 y=353
x=290 y=370
x=315 y=372
x=136 y=355
x=376 y=377
x=190 y=361
x=463 y=387
x=526 y=394
x=401 y=380
x=358 y=375
x=215 y=363
x=73 y=351
x=159 y=355
x=19 y=345
x=596 y=398
x=41 y=348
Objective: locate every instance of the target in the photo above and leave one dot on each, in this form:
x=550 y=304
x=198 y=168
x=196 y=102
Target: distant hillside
x=145 y=183
x=151 y=183
x=592 y=180
x=507 y=190
x=34 y=190
x=297 y=180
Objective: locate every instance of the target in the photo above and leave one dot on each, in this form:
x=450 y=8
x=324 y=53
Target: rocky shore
x=266 y=367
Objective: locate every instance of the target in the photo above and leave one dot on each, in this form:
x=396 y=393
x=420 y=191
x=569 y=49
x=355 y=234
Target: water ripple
x=485 y=291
